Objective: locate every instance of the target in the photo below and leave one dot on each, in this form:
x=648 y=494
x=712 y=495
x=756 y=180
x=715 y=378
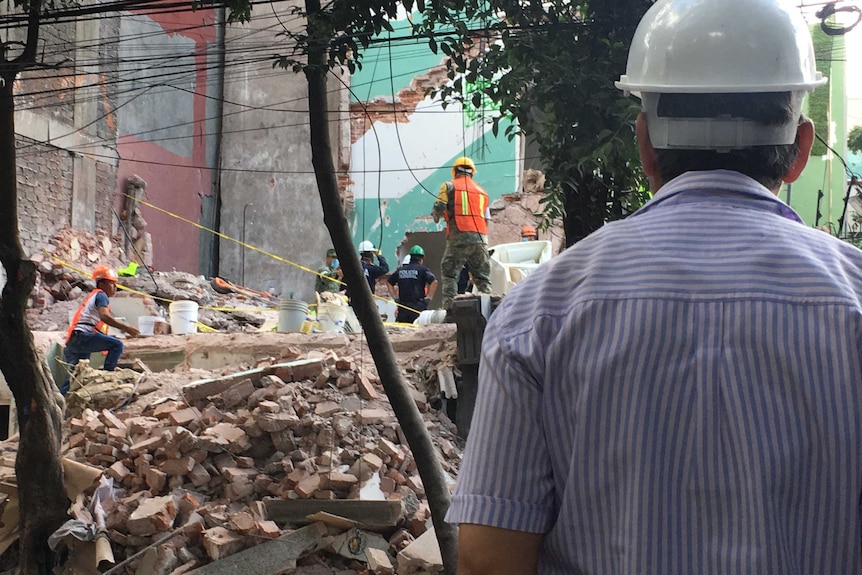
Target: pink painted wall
x=175 y=182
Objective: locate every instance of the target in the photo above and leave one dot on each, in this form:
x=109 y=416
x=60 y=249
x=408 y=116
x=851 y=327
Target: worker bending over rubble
x=680 y=392
x=88 y=330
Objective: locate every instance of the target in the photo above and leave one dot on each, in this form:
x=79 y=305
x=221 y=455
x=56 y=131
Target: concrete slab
x=369 y=513
x=270 y=558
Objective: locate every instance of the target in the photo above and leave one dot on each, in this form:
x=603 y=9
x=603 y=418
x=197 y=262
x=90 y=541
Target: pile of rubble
x=63 y=282
x=232 y=462
x=70 y=250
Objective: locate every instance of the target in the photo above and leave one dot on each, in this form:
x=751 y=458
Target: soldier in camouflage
x=464 y=205
x=329 y=275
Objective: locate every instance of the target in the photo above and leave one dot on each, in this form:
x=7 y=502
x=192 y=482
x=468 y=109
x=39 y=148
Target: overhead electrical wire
x=181 y=75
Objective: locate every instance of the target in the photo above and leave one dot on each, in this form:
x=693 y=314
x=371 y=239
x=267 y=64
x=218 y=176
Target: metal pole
x=242 y=248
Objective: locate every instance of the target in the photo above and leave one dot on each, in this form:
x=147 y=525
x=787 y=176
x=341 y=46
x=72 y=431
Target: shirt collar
x=719 y=183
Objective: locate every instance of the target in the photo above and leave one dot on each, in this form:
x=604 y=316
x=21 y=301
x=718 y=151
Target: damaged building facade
x=189 y=113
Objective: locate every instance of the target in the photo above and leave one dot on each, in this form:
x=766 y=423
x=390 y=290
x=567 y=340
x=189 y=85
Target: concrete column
x=86 y=118
x=84 y=194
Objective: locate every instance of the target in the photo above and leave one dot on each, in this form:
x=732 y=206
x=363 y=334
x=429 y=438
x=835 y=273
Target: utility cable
x=245 y=245
x=397 y=131
x=132 y=244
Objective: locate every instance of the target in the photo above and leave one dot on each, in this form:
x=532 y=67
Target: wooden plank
x=269 y=558
x=373 y=513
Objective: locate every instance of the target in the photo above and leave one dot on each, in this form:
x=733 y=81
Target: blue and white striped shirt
x=678 y=393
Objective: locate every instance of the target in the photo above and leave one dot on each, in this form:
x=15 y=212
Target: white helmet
x=366 y=246
x=719 y=46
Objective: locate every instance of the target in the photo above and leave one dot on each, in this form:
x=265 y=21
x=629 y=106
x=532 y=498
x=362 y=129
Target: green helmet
x=417 y=251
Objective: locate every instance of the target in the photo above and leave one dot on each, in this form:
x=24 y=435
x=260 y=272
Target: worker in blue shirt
x=412 y=286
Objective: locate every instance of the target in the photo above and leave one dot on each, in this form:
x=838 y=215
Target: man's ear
x=805 y=138
x=645 y=149
x=649 y=160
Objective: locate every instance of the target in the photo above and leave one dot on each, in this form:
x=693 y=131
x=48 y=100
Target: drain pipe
x=242 y=247
x=209 y=250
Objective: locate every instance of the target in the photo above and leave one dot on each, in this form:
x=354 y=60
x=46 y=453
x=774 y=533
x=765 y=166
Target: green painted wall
x=824 y=172
x=397 y=169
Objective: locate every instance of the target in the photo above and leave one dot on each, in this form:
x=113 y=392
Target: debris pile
x=237 y=460
x=63 y=282
x=57 y=282
x=95 y=388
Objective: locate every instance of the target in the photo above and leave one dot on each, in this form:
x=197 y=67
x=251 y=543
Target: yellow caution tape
x=257 y=249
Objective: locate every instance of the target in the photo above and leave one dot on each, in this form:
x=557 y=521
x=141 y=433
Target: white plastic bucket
x=184 y=316
x=331 y=317
x=291 y=315
x=147 y=324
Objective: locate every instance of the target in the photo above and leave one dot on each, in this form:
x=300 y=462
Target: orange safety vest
x=101 y=326
x=467 y=205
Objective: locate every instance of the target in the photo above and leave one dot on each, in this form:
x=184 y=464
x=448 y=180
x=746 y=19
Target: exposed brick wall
x=44 y=193
x=45 y=173
x=363 y=115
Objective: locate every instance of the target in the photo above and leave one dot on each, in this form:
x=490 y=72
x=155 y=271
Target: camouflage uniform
x=329 y=282
x=470 y=247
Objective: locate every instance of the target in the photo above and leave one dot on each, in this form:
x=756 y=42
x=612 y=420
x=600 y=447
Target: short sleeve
x=101 y=300
x=506 y=479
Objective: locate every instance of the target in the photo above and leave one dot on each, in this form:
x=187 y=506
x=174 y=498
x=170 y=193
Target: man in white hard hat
x=685 y=395
x=373 y=272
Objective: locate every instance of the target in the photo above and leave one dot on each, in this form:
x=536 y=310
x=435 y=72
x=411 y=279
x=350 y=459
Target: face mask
x=525 y=239
x=335 y=263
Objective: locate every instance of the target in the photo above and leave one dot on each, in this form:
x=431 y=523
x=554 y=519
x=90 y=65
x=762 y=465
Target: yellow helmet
x=464 y=163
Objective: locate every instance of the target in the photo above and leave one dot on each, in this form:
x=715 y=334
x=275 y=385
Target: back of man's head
x=766 y=164
x=722 y=84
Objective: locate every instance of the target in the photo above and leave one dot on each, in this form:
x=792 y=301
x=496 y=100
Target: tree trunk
x=586 y=207
x=402 y=403
x=41 y=497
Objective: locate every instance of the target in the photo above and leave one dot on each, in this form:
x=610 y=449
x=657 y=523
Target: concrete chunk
x=423 y=555
x=225 y=436
x=204 y=388
x=370 y=416
x=220 y=543
x=327 y=408
x=379 y=562
x=153 y=516
x=237 y=393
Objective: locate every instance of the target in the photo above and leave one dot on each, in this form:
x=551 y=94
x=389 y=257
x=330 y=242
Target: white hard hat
x=366 y=246
x=405 y=260
x=719 y=46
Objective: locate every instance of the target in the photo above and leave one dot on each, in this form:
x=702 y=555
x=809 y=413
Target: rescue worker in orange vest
x=89 y=326
x=529 y=234
x=464 y=205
